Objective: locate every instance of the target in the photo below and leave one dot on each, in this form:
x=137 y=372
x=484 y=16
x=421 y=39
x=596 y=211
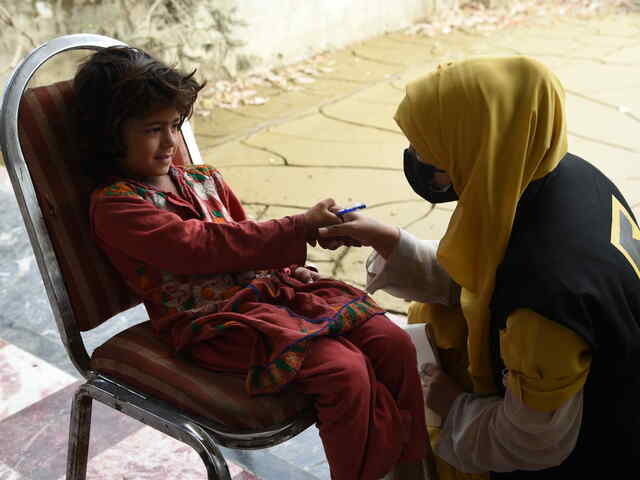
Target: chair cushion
x=48 y=140
x=139 y=358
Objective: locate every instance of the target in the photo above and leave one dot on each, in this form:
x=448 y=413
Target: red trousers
x=367 y=393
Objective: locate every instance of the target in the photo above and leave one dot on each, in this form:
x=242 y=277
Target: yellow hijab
x=494 y=125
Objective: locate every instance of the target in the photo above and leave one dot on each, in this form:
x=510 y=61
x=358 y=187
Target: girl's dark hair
x=118 y=83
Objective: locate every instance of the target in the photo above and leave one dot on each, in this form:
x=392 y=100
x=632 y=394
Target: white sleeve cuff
x=412 y=272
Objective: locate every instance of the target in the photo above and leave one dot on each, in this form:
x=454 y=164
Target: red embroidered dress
x=202 y=268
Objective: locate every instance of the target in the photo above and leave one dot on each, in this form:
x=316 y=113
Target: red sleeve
x=138 y=229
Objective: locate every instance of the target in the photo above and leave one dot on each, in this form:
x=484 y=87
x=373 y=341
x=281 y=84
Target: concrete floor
x=334 y=137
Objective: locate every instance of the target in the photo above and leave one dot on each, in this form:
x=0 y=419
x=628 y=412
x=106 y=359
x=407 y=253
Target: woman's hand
x=439 y=389
x=363 y=230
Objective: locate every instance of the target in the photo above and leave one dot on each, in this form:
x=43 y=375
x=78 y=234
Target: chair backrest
x=40 y=149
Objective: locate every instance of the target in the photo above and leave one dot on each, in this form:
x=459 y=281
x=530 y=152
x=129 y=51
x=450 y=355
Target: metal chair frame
x=202 y=434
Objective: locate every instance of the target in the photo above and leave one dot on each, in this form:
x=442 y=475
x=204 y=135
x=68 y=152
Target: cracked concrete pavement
x=336 y=137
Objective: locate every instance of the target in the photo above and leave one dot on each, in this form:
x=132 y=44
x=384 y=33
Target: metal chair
x=134 y=372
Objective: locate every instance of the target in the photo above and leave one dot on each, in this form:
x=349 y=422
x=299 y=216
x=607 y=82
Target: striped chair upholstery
x=136 y=356
x=140 y=359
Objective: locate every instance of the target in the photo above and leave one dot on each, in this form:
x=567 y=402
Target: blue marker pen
x=358 y=206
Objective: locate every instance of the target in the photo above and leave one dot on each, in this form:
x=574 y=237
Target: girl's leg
x=359 y=422
x=361 y=426
x=393 y=357
x=229 y=354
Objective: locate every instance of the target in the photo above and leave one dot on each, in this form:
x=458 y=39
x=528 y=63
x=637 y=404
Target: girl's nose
x=169 y=137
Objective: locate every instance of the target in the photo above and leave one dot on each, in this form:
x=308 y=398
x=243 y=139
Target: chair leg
x=217 y=468
x=209 y=452
x=79 y=432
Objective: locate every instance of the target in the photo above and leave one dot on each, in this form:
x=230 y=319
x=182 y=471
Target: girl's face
x=150 y=143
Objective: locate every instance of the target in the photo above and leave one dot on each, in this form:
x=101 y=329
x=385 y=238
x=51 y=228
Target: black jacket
x=573 y=258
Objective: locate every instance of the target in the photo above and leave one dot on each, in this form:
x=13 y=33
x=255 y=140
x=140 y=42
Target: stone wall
x=223 y=38
x=289 y=30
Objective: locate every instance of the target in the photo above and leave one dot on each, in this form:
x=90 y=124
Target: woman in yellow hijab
x=534 y=290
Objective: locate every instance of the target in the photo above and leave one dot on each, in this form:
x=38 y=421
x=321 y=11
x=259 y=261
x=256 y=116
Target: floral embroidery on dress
x=175 y=294
x=202 y=179
x=142 y=279
x=159 y=199
x=217 y=216
x=205 y=293
x=200 y=173
x=120 y=188
x=206 y=189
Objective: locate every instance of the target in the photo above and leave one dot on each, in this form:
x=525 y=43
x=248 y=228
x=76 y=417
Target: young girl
x=234 y=293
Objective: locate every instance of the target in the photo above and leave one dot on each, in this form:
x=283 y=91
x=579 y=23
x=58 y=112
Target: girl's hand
x=305 y=275
x=364 y=231
x=320 y=215
x=439 y=389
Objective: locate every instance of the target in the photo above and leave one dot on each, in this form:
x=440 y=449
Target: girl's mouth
x=164 y=157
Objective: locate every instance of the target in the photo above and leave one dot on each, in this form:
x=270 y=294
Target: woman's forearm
x=386 y=241
x=411 y=271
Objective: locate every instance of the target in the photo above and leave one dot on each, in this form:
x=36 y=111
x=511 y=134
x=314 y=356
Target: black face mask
x=420 y=176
